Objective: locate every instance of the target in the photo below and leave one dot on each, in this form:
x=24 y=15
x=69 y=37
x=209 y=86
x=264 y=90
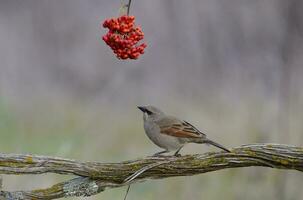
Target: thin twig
x=127 y=190
x=128 y=6
x=139 y=172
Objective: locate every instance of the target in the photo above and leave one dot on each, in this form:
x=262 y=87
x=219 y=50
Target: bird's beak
x=142 y=108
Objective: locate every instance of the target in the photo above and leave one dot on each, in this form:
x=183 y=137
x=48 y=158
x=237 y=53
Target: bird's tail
x=207 y=141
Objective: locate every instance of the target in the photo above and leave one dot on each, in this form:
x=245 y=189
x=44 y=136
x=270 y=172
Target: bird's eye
x=148 y=112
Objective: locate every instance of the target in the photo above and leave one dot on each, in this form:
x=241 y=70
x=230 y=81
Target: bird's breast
x=167 y=142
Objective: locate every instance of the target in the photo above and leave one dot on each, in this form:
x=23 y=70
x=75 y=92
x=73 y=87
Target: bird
x=171 y=133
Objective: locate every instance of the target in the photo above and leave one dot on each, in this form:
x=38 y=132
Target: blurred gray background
x=232 y=68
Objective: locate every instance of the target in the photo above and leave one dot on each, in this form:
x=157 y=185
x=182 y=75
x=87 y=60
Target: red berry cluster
x=123 y=37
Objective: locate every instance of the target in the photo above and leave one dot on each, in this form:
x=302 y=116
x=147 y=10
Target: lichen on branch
x=93 y=178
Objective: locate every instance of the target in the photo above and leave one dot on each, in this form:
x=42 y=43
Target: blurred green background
x=232 y=68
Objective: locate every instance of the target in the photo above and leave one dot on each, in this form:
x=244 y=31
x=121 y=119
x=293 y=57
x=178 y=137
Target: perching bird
x=171 y=133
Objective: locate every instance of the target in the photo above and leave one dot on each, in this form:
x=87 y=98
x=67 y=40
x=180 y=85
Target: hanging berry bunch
x=123 y=36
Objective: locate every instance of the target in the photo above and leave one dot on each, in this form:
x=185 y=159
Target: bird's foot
x=160 y=153
x=177 y=154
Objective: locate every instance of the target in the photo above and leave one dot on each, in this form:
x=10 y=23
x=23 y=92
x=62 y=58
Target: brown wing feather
x=181 y=129
x=179 y=133
x=192 y=128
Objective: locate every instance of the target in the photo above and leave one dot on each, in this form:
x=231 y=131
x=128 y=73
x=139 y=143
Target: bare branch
x=96 y=177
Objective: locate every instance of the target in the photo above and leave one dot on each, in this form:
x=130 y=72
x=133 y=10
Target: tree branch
x=96 y=177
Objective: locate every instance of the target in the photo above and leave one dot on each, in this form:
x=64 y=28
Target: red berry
x=122 y=37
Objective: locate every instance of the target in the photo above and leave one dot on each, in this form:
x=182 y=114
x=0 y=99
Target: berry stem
x=128 y=6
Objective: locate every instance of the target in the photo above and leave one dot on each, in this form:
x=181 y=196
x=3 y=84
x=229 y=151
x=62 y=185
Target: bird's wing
x=178 y=128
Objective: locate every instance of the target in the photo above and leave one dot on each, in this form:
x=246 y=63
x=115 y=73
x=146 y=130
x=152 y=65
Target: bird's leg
x=177 y=152
x=161 y=152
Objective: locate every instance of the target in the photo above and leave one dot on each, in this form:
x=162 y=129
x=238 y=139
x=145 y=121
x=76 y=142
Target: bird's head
x=150 y=112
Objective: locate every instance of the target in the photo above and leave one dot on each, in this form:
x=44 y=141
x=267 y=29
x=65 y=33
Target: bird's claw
x=177 y=155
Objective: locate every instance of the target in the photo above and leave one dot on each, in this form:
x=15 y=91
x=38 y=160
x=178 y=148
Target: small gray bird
x=171 y=133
